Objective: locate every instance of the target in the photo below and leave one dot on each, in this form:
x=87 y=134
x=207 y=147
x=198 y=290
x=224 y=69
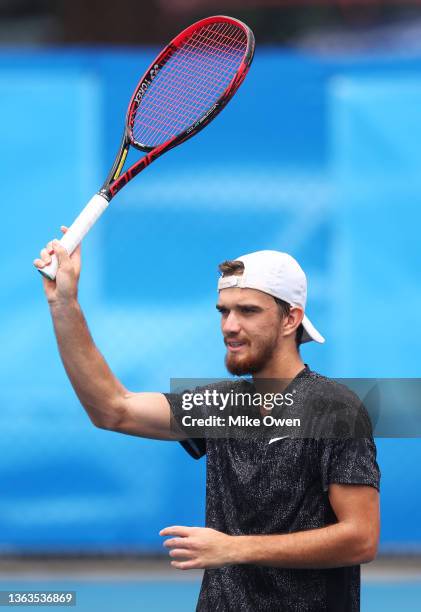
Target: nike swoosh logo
x=276 y=439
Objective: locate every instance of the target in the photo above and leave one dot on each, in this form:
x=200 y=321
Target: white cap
x=279 y=275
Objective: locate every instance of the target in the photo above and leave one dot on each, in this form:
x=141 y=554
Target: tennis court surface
x=107 y=585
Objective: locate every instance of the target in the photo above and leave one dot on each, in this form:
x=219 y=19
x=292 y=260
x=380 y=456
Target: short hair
x=231 y=267
x=235 y=267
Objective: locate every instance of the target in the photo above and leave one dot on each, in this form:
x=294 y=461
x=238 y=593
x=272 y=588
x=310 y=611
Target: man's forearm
x=95 y=384
x=337 y=545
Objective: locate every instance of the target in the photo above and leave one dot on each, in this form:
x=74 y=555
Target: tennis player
x=289 y=520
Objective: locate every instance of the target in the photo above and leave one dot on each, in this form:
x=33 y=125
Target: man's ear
x=293 y=320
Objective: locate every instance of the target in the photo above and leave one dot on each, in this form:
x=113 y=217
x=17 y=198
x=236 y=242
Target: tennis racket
x=186 y=86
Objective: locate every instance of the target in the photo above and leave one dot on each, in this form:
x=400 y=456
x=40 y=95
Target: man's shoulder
x=335 y=398
x=205 y=394
x=332 y=389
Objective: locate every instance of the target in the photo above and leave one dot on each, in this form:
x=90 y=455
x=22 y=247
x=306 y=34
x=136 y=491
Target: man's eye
x=248 y=310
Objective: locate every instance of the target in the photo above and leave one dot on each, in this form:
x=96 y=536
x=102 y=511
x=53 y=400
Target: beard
x=252 y=363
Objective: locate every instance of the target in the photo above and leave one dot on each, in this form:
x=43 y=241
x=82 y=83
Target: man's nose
x=230 y=324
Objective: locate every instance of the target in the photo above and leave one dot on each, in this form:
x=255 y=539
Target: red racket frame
x=114 y=181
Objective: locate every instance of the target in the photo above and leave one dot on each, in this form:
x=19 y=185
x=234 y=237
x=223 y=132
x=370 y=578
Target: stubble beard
x=252 y=363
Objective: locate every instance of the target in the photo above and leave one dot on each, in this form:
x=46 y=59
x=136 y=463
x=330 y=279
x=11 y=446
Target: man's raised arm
x=108 y=403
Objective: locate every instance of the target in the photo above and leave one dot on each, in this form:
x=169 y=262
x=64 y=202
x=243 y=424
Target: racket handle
x=79 y=228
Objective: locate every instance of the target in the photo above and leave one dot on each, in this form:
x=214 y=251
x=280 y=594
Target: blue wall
x=321 y=160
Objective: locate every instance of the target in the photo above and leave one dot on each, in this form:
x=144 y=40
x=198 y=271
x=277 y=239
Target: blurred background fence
x=318 y=155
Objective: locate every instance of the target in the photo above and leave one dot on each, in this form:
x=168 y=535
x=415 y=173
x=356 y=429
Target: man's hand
x=64 y=288
x=198 y=547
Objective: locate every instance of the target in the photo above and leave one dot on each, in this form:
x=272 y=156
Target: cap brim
x=310 y=332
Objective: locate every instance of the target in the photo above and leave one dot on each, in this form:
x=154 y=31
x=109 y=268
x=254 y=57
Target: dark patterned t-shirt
x=255 y=487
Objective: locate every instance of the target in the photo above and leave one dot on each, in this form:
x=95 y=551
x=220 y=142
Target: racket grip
x=79 y=228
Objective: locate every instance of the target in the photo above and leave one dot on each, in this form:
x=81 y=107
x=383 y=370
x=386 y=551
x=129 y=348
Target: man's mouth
x=234 y=345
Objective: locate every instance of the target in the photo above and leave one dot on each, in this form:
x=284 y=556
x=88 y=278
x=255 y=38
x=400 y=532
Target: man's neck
x=278 y=374
x=284 y=366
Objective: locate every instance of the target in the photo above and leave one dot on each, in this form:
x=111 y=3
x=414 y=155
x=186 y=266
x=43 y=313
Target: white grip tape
x=79 y=228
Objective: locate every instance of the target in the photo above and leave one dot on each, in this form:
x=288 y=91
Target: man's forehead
x=240 y=296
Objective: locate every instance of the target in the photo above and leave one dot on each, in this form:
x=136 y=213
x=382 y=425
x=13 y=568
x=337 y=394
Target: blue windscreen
x=320 y=160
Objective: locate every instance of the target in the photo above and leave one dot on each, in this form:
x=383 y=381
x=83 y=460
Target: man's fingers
x=45 y=256
x=176 y=530
x=46 y=252
x=180 y=553
x=185 y=565
x=181 y=542
x=54 y=247
x=38 y=263
x=77 y=250
x=61 y=253
x=181 y=546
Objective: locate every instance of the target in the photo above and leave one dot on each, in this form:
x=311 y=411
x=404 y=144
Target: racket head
x=189 y=82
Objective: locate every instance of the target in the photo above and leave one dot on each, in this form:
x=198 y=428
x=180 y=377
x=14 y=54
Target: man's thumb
x=61 y=253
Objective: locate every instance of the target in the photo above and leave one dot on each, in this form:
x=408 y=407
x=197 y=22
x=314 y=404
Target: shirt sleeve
x=346 y=449
x=195 y=444
x=196 y=447
x=349 y=461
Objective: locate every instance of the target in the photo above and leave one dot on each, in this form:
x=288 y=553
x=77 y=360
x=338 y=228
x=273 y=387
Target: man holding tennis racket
x=289 y=520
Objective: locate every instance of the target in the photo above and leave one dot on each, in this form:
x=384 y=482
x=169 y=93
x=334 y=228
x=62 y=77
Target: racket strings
x=188 y=107
x=190 y=83
x=225 y=48
x=198 y=87
x=213 y=65
x=193 y=44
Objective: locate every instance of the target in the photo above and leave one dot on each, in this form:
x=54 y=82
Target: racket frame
x=115 y=180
